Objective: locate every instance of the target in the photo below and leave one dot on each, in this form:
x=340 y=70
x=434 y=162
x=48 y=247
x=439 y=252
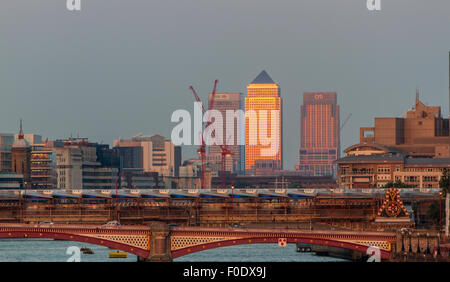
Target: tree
x=433 y=212
x=294 y=185
x=397 y=184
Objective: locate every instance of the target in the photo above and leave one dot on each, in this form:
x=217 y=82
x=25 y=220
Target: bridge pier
x=416 y=246
x=159 y=243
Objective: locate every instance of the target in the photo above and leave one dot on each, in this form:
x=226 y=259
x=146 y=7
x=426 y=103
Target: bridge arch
x=76 y=238
x=272 y=240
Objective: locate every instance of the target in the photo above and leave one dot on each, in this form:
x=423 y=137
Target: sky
x=120 y=67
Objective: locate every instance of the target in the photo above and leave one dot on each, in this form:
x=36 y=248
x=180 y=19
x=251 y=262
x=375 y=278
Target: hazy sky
x=120 y=67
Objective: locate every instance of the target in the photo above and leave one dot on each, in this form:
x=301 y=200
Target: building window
x=384 y=169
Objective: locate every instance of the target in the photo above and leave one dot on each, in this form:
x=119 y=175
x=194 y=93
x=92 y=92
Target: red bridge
x=161 y=242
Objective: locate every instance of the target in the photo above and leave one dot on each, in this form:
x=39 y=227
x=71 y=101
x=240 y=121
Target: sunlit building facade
x=81 y=164
x=419 y=132
x=319 y=138
x=21 y=158
x=263 y=94
x=151 y=154
x=43 y=166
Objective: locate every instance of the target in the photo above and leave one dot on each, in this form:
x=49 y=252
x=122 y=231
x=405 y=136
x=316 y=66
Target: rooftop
x=396 y=158
x=263 y=78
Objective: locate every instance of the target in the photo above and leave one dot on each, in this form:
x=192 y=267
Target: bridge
x=162 y=242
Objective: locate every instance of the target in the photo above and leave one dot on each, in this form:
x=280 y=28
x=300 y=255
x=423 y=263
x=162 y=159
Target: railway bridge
x=162 y=242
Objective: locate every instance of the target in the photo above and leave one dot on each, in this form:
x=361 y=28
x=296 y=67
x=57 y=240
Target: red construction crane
x=225 y=152
x=202 y=149
x=224 y=148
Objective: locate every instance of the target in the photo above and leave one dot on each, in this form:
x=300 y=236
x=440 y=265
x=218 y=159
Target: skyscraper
x=319 y=140
x=224 y=102
x=263 y=98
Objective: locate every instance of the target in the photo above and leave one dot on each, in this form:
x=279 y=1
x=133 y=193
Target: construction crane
x=225 y=152
x=202 y=149
x=345 y=121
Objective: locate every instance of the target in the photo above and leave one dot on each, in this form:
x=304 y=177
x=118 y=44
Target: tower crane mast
x=202 y=149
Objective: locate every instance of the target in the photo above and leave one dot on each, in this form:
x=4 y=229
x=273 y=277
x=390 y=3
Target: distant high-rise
x=6 y=141
x=319 y=139
x=21 y=157
x=150 y=154
x=263 y=94
x=81 y=164
x=224 y=102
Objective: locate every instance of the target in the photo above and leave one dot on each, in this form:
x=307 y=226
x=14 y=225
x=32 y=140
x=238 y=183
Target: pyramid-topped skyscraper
x=263 y=97
x=263 y=78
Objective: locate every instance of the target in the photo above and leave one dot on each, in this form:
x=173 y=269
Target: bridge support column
x=159 y=243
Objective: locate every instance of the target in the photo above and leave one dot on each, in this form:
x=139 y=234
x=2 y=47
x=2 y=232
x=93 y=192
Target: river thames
x=49 y=250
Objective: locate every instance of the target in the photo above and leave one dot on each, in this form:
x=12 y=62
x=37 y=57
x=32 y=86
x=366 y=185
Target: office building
x=150 y=153
x=420 y=132
x=6 y=141
x=43 y=166
x=375 y=171
x=85 y=165
x=263 y=96
x=43 y=162
x=412 y=149
x=230 y=102
x=139 y=180
x=319 y=137
x=11 y=180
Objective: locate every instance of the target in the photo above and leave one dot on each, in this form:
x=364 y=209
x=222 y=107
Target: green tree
x=294 y=185
x=433 y=212
x=397 y=184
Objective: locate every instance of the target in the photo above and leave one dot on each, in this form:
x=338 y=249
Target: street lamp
x=232 y=197
x=332 y=206
x=116 y=204
x=25 y=202
x=440 y=210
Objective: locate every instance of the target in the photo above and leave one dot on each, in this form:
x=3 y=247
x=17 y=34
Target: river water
x=49 y=250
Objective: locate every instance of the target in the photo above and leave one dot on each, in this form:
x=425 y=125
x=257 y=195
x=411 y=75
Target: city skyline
x=225 y=132
x=63 y=84
x=38 y=132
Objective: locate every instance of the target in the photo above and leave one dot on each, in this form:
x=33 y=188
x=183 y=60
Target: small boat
x=117 y=254
x=87 y=251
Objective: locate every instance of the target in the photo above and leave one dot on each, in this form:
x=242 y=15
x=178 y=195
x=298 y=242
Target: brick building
x=413 y=149
x=420 y=132
x=368 y=171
